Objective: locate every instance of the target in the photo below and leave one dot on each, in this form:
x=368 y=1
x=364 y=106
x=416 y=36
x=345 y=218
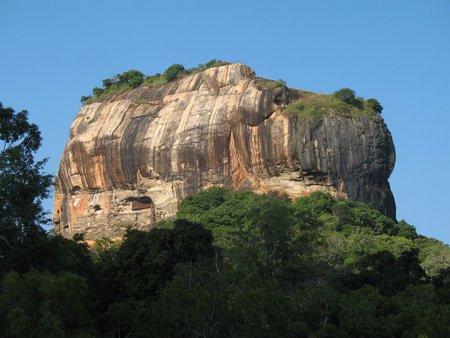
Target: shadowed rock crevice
x=131 y=158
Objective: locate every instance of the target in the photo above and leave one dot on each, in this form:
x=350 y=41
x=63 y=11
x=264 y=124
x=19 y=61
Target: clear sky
x=53 y=52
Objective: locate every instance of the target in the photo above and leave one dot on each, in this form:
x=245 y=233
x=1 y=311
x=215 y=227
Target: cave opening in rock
x=139 y=203
x=75 y=189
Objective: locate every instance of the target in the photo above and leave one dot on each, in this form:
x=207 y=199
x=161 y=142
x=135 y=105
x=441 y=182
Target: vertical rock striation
x=133 y=157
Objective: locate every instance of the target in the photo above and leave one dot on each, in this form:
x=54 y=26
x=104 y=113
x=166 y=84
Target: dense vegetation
x=341 y=103
x=239 y=264
x=134 y=78
x=232 y=264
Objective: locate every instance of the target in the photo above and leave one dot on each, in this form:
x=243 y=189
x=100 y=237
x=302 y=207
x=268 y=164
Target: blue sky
x=53 y=52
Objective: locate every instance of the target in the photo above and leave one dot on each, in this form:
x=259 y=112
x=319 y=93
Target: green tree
x=133 y=78
x=442 y=285
x=146 y=260
x=97 y=91
x=107 y=83
x=39 y=304
x=193 y=207
x=365 y=313
x=309 y=209
x=390 y=274
x=220 y=211
x=264 y=236
x=347 y=95
x=406 y=230
x=23 y=185
x=418 y=312
x=365 y=215
x=84 y=99
x=173 y=71
x=375 y=105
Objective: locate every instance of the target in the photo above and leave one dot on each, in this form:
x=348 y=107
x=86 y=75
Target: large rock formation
x=133 y=157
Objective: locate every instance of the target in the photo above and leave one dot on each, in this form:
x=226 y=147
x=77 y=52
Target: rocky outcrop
x=133 y=157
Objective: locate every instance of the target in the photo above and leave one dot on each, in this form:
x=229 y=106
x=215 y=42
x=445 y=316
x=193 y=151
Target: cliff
x=132 y=157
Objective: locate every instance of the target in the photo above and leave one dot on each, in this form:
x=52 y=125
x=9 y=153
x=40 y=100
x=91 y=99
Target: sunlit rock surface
x=132 y=158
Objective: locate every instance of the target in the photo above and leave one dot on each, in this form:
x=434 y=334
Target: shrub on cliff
x=374 y=105
x=134 y=78
x=320 y=105
x=346 y=95
x=343 y=102
x=129 y=79
x=270 y=85
x=173 y=71
x=155 y=80
x=98 y=91
x=210 y=64
x=215 y=63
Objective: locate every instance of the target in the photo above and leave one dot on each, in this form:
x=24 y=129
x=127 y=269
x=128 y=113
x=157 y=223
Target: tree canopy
x=23 y=186
x=239 y=264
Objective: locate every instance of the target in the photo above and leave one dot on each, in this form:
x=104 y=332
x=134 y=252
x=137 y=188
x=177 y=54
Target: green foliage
x=84 y=99
x=134 y=78
x=313 y=267
x=364 y=215
x=346 y=95
x=270 y=85
x=173 y=72
x=363 y=314
x=107 y=83
x=129 y=79
x=215 y=63
x=341 y=103
x=320 y=105
x=232 y=264
x=374 y=105
x=98 y=91
x=51 y=253
x=386 y=272
x=155 y=80
x=23 y=186
x=192 y=207
x=308 y=210
x=104 y=249
x=145 y=261
x=406 y=230
x=210 y=64
x=434 y=255
x=39 y=304
x=219 y=211
x=237 y=264
x=263 y=239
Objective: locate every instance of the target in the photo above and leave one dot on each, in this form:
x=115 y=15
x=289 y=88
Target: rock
x=133 y=157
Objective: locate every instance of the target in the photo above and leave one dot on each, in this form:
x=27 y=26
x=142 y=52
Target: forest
x=231 y=264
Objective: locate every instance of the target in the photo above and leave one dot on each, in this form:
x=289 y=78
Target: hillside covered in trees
x=236 y=264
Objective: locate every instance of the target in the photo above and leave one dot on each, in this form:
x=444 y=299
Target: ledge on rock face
x=131 y=158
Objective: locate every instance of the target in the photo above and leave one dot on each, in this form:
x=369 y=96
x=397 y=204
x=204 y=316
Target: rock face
x=133 y=157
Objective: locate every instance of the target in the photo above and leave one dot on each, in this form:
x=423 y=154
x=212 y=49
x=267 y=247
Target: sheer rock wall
x=133 y=157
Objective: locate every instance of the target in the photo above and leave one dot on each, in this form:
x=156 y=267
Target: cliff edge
x=132 y=157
